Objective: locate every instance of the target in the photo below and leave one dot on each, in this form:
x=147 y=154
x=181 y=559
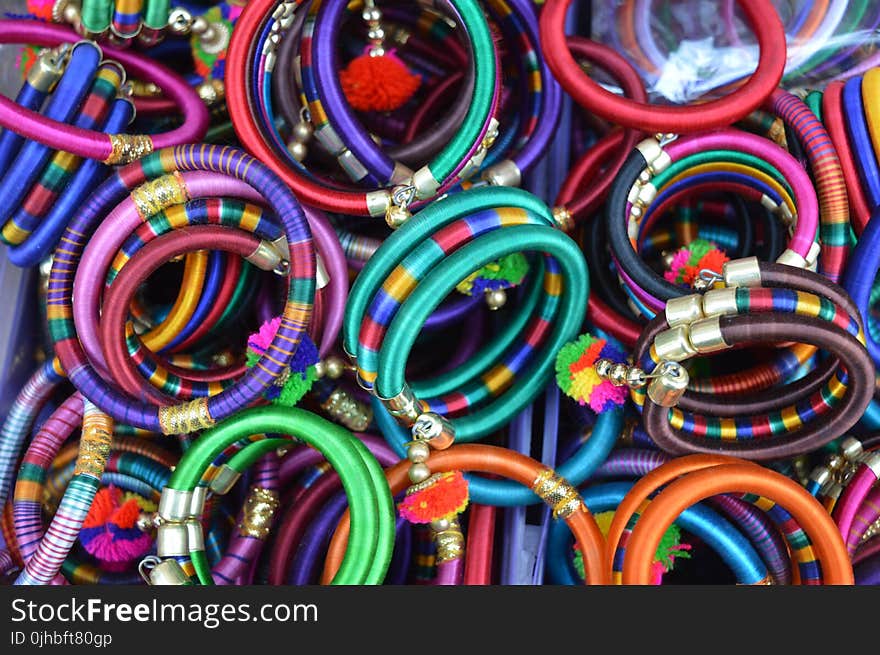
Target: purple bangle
x=244 y=550
x=337 y=284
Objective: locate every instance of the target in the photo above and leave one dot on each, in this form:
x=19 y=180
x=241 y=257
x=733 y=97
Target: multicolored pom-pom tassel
x=504 y=273
x=299 y=377
x=690 y=260
x=668 y=551
x=110 y=533
x=441 y=496
x=373 y=82
x=209 y=61
x=577 y=378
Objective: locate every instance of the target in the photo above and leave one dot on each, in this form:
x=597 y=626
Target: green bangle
x=372 y=508
x=450 y=158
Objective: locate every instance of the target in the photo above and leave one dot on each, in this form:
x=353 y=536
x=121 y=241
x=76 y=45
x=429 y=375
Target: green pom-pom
x=579 y=563
x=669 y=548
x=698 y=249
x=571 y=353
x=508 y=271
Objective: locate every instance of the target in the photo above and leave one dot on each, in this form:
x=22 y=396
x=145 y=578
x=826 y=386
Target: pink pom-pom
x=606 y=394
x=259 y=341
x=679 y=260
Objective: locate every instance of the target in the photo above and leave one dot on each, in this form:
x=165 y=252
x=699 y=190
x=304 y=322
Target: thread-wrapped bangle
x=184 y=418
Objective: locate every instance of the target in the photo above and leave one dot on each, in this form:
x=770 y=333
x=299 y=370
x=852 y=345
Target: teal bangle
x=431 y=218
x=566 y=321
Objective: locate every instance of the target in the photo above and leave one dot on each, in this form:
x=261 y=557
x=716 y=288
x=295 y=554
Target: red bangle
x=237 y=79
x=832 y=110
x=680 y=120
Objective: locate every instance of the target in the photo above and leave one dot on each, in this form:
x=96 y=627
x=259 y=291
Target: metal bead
x=372 y=14
x=180 y=22
x=71 y=14
x=302 y=131
x=200 y=25
x=617 y=375
x=496 y=299
x=836 y=462
x=397 y=216
x=297 y=150
x=635 y=378
x=333 y=368
x=376 y=34
x=419 y=473
x=440 y=525
x=603 y=368
x=418 y=452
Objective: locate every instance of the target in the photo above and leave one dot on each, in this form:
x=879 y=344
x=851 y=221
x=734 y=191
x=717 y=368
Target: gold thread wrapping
x=152 y=197
x=94 y=444
x=259 y=508
x=187 y=417
x=562 y=497
x=128 y=147
x=353 y=414
x=450 y=542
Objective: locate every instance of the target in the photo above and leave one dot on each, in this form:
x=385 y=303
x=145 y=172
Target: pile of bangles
x=440 y=292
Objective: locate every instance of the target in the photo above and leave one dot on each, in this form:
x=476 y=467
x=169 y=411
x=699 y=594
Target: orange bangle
x=647 y=485
x=739 y=477
x=499 y=461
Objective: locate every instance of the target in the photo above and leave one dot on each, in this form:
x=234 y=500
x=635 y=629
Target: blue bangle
x=29 y=98
x=46 y=235
x=31 y=159
x=505 y=493
x=860 y=139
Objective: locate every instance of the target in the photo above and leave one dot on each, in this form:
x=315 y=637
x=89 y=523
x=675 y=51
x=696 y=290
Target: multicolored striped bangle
x=798 y=428
x=201 y=413
x=397 y=291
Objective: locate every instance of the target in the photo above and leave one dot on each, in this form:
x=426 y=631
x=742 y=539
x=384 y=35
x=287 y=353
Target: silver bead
x=297 y=150
x=496 y=299
x=200 y=25
x=419 y=473
x=836 y=462
x=440 y=525
x=617 y=375
x=635 y=378
x=302 y=131
x=180 y=22
x=603 y=368
x=418 y=452
x=333 y=368
x=376 y=34
x=372 y=14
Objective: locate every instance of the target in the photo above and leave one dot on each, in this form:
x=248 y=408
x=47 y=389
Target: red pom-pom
x=110 y=533
x=381 y=83
x=441 y=496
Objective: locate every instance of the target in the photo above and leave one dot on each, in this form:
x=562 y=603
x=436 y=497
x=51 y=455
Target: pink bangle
x=804 y=194
x=108 y=148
